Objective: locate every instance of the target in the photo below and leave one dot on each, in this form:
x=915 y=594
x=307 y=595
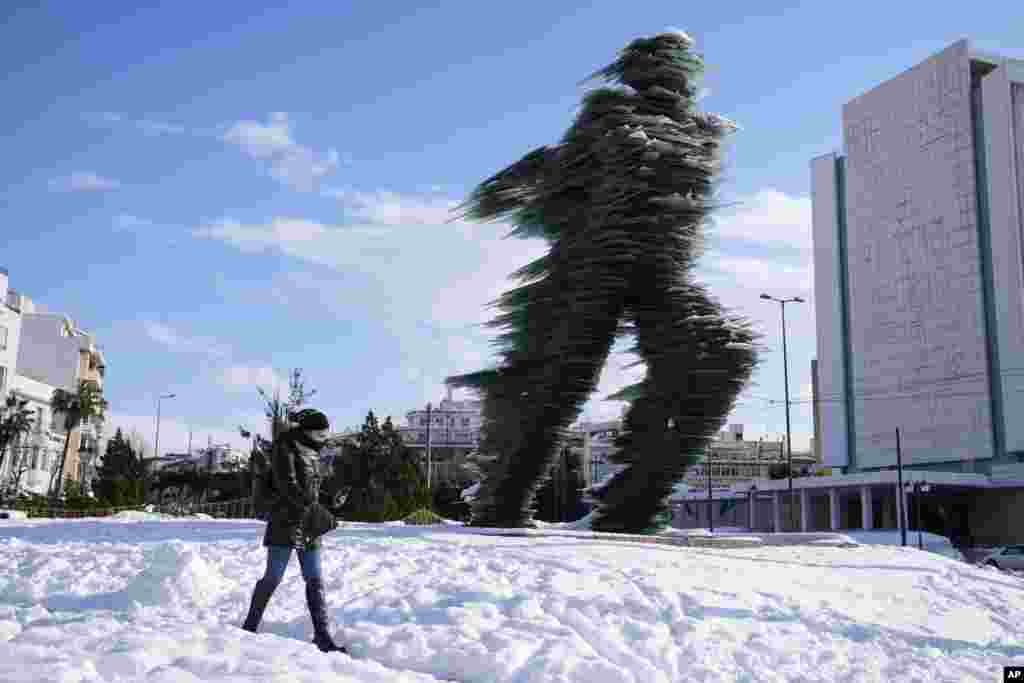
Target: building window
x=3 y=379
x=3 y=337
x=465 y=422
x=423 y=422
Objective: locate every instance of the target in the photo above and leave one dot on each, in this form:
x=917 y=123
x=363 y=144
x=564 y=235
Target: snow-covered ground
x=160 y=601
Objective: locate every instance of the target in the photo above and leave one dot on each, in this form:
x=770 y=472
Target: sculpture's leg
x=698 y=361
x=568 y=332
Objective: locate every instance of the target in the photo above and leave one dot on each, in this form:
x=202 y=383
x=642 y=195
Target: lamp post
x=901 y=512
x=753 y=503
x=917 y=488
x=707 y=474
x=156 y=440
x=429 y=409
x=785 y=375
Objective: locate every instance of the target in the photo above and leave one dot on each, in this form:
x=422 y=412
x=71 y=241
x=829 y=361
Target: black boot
x=318 y=612
x=260 y=596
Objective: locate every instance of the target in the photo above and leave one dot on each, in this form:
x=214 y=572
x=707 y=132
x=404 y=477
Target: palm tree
x=87 y=404
x=622 y=202
x=15 y=421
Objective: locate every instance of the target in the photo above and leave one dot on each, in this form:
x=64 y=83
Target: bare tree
x=278 y=409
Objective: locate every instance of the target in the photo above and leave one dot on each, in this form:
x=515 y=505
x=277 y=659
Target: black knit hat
x=311 y=419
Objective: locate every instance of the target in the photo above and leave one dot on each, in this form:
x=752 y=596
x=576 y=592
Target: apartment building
x=452 y=428
x=41 y=352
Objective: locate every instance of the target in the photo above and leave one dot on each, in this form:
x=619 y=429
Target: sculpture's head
x=664 y=60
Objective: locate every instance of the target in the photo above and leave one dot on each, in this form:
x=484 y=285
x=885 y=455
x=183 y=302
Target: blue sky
x=222 y=195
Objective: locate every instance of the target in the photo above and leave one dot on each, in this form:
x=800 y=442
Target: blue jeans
x=277 y=561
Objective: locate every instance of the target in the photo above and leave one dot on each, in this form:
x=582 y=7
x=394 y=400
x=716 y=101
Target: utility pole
x=429 y=409
x=707 y=473
x=901 y=513
x=156 y=444
x=917 y=507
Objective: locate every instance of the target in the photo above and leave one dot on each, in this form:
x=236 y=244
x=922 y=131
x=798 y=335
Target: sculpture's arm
x=508 y=190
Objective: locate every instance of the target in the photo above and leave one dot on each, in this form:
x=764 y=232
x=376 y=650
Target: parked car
x=1006 y=557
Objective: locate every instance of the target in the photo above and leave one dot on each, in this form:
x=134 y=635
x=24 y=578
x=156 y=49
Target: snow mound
x=177 y=573
x=139 y=516
x=161 y=601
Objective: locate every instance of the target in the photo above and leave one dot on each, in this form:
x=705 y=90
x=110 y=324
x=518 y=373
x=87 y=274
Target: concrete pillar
x=752 y=512
x=899 y=501
x=866 y=511
x=777 y=511
x=805 y=510
x=833 y=508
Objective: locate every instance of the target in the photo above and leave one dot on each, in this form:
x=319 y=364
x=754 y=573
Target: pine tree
x=120 y=473
x=386 y=482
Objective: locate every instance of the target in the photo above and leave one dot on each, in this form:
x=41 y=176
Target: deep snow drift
x=160 y=601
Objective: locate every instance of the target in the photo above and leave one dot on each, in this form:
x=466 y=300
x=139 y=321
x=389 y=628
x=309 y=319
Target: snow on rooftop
x=126 y=600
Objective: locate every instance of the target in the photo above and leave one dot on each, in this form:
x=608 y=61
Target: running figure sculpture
x=622 y=201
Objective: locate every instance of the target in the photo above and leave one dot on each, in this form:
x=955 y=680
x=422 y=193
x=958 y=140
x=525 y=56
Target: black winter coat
x=296 y=473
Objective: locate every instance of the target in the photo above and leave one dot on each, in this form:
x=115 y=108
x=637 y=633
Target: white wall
x=828 y=311
x=1003 y=107
x=9 y=354
x=916 y=316
x=50 y=444
x=45 y=355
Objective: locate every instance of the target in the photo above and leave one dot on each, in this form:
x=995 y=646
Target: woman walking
x=296 y=521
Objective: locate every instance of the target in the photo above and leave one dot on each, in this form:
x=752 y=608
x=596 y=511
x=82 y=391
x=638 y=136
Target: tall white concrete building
x=919 y=270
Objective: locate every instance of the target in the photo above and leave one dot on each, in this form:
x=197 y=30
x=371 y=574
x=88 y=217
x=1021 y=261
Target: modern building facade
x=55 y=352
x=919 y=271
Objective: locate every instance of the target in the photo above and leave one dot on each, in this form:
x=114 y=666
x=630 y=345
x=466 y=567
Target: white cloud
x=291 y=164
x=768 y=217
x=280 y=233
x=242 y=377
x=175 y=341
x=83 y=182
x=762 y=273
x=392 y=208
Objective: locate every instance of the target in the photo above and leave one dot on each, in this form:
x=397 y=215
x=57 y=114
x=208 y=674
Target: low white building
x=33 y=458
x=452 y=429
x=214 y=459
